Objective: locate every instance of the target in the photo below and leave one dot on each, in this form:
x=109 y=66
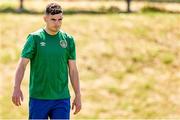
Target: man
x=52 y=55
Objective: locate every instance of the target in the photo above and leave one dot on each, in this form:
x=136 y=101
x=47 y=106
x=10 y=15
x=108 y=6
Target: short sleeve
x=29 y=48
x=72 y=50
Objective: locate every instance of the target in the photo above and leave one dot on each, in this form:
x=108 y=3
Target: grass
x=128 y=63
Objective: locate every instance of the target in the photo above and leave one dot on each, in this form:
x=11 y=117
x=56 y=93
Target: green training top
x=49 y=55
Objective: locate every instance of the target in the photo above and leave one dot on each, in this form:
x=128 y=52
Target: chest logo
x=63 y=43
x=42 y=43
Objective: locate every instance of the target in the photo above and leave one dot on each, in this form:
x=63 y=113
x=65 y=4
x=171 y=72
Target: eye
x=59 y=19
x=53 y=19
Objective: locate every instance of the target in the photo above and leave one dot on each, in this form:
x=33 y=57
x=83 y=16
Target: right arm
x=17 y=93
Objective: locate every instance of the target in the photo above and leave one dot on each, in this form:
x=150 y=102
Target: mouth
x=56 y=27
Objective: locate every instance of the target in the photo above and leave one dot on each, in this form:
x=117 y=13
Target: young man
x=52 y=55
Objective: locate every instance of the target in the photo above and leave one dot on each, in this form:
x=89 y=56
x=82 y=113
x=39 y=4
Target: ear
x=45 y=18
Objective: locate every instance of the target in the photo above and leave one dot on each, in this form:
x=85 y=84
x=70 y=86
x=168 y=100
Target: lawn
x=129 y=64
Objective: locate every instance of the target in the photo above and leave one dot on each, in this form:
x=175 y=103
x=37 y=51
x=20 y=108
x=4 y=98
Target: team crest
x=63 y=43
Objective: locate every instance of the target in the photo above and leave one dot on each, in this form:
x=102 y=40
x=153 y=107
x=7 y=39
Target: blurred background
x=127 y=54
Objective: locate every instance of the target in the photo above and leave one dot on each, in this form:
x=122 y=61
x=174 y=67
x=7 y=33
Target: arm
x=17 y=93
x=74 y=78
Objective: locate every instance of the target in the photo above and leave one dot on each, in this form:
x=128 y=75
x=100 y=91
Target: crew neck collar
x=50 y=34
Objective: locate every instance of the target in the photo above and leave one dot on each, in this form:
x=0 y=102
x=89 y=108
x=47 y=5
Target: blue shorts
x=54 y=109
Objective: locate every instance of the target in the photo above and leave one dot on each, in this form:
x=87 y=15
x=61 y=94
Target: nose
x=57 y=22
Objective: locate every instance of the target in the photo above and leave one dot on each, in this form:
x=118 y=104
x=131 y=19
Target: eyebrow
x=55 y=19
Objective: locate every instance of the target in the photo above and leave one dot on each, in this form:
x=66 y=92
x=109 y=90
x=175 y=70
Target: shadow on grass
x=110 y=10
x=156 y=9
x=102 y=10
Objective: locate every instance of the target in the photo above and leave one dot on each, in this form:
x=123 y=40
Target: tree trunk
x=21 y=7
x=128 y=6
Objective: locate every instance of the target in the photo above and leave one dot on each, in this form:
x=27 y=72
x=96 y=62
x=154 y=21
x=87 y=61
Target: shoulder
x=67 y=36
x=36 y=35
x=37 y=32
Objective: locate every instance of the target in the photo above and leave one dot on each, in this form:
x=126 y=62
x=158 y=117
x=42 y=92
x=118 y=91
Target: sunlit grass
x=128 y=63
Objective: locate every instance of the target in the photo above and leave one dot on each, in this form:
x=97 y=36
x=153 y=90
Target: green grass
x=128 y=63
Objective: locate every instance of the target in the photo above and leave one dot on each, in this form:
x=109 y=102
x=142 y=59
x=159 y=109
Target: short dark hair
x=53 y=8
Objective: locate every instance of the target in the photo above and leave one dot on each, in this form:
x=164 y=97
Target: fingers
x=73 y=104
x=78 y=108
x=17 y=99
x=18 y=102
x=13 y=100
x=22 y=97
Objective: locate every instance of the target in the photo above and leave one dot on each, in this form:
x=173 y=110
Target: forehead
x=56 y=16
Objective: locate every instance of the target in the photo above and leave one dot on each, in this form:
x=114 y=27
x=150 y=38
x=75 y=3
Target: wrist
x=78 y=94
x=16 y=87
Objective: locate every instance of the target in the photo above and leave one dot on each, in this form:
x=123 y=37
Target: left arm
x=74 y=78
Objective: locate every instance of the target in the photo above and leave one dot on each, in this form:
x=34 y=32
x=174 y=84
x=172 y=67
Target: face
x=53 y=22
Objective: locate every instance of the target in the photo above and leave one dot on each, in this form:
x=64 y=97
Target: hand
x=77 y=104
x=17 y=96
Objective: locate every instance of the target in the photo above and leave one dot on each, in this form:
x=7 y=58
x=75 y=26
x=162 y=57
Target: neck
x=49 y=31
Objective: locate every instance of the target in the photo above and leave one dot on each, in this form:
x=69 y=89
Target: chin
x=55 y=29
